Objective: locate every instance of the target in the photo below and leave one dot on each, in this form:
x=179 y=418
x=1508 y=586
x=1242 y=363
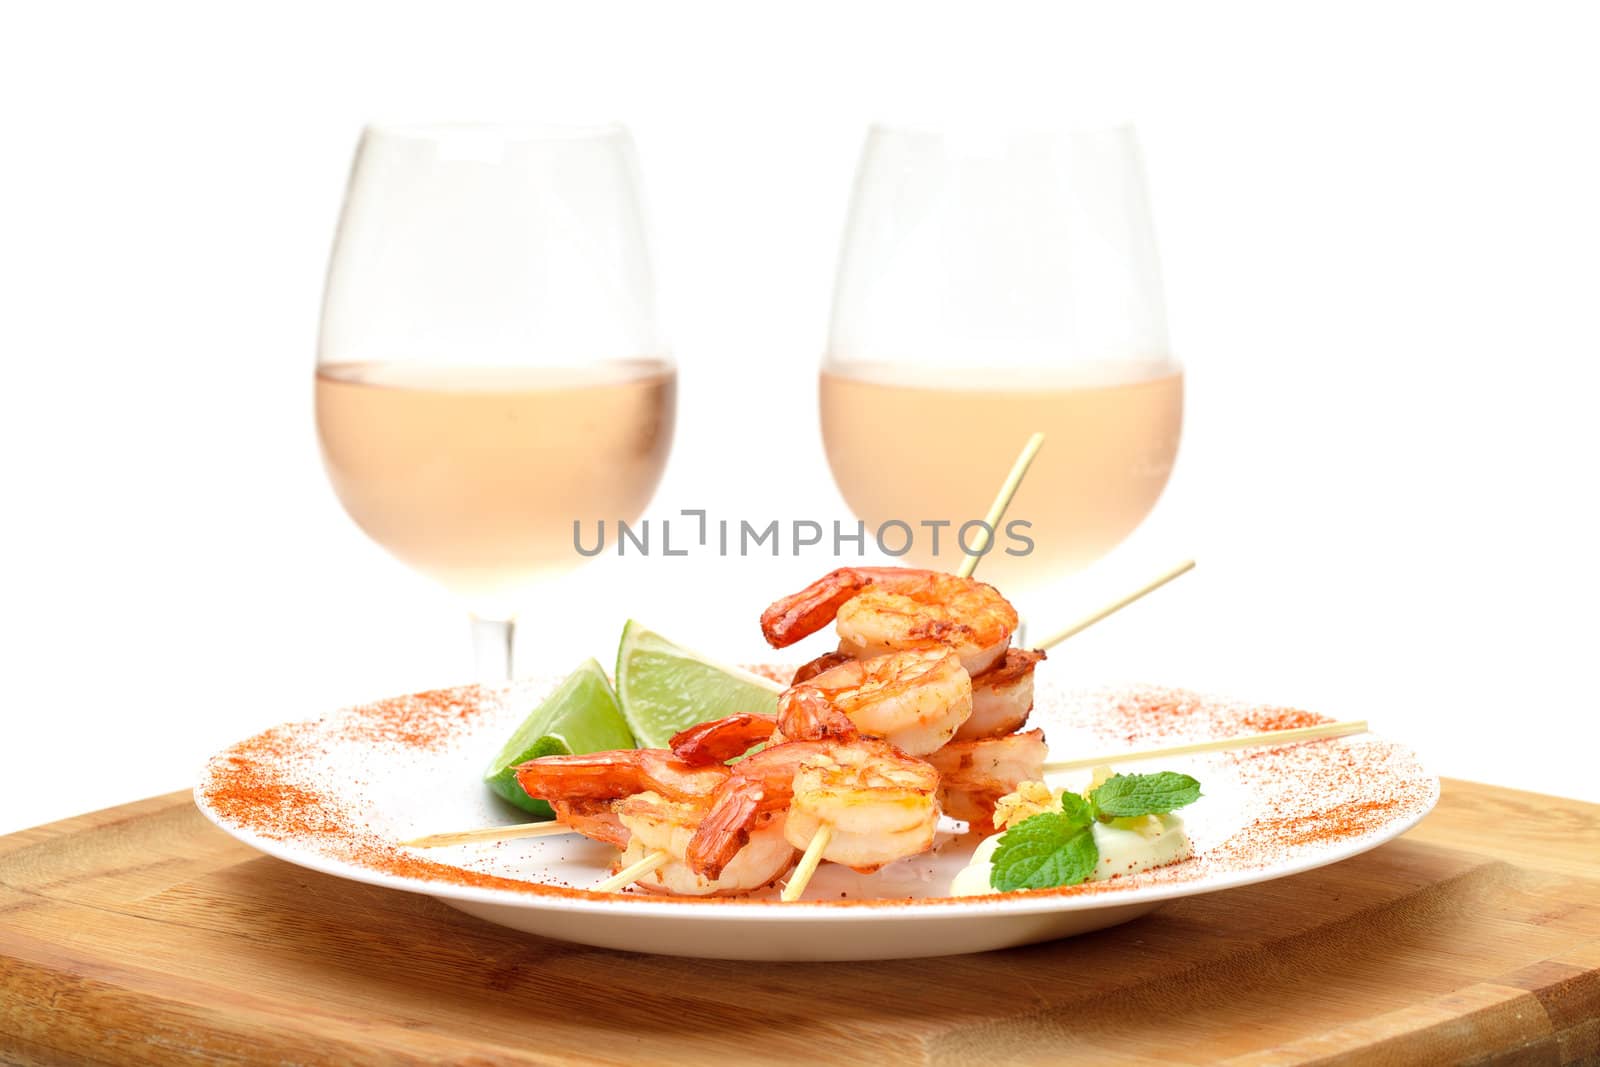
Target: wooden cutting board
x=142 y=934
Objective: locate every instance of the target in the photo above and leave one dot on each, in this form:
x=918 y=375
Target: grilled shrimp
x=1002 y=696
x=827 y=661
x=720 y=740
x=595 y=819
x=807 y=714
x=974 y=775
x=755 y=786
x=880 y=804
x=802 y=716
x=620 y=773
x=658 y=824
x=889 y=609
x=914 y=700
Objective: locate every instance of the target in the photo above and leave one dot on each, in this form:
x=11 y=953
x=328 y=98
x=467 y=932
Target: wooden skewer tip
x=1269 y=737
x=489 y=833
x=1002 y=501
x=634 y=871
x=808 y=864
x=1116 y=605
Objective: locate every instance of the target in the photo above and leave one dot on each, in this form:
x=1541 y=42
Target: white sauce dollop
x=1126 y=846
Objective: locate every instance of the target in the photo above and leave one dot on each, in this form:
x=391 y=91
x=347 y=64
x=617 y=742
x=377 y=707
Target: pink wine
x=913 y=445
x=474 y=475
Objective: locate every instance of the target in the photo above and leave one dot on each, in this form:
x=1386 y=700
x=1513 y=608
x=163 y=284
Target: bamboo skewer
x=1002 y=500
x=808 y=863
x=1269 y=737
x=1116 y=605
x=997 y=511
x=634 y=871
x=490 y=833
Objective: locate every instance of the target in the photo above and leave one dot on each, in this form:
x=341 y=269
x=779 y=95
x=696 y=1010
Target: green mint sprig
x=1056 y=848
x=1126 y=795
x=1048 y=849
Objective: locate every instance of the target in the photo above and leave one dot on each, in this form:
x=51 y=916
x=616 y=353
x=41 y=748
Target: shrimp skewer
x=893 y=609
x=648 y=803
x=661 y=827
x=900 y=702
x=756 y=785
x=974 y=775
x=915 y=700
x=1002 y=696
x=877 y=803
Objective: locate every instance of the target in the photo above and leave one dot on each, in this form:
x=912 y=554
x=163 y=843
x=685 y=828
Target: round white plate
x=336 y=794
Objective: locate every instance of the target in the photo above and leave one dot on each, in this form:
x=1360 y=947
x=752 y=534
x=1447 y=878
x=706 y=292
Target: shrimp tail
x=720 y=740
x=806 y=714
x=583 y=776
x=821 y=665
x=799 y=615
x=726 y=828
x=764 y=782
x=594 y=819
x=1015 y=664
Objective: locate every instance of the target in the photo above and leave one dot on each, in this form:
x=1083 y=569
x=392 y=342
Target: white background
x=1381 y=241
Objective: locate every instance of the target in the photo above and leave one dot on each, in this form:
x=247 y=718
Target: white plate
x=337 y=793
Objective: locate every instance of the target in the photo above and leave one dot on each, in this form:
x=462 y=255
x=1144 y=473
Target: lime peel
x=581 y=714
x=664 y=688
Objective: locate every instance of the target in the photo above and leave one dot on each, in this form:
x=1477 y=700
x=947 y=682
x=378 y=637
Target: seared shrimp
x=914 y=700
x=620 y=773
x=889 y=609
x=595 y=819
x=825 y=662
x=755 y=786
x=1002 y=696
x=658 y=824
x=720 y=740
x=803 y=715
x=880 y=804
x=974 y=775
x=806 y=713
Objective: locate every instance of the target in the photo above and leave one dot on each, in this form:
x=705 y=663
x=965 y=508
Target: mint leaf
x=1125 y=795
x=1077 y=810
x=1042 y=852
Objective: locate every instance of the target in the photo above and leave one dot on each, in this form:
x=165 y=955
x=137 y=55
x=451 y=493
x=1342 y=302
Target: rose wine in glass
x=490 y=370
x=992 y=285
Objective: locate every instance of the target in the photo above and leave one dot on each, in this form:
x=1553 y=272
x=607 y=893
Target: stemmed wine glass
x=490 y=368
x=990 y=285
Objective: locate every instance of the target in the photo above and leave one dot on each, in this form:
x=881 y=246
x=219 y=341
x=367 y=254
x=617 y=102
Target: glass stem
x=491 y=645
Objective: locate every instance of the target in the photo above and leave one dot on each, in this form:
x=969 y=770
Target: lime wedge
x=665 y=688
x=580 y=716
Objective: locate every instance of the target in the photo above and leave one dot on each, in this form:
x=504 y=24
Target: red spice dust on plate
x=341 y=792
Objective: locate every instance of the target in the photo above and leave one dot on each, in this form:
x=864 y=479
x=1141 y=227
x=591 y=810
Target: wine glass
x=990 y=285
x=490 y=369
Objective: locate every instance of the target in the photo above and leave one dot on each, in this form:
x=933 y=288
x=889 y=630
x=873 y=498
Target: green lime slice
x=580 y=716
x=665 y=687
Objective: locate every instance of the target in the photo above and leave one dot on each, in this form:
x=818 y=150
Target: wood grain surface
x=144 y=935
